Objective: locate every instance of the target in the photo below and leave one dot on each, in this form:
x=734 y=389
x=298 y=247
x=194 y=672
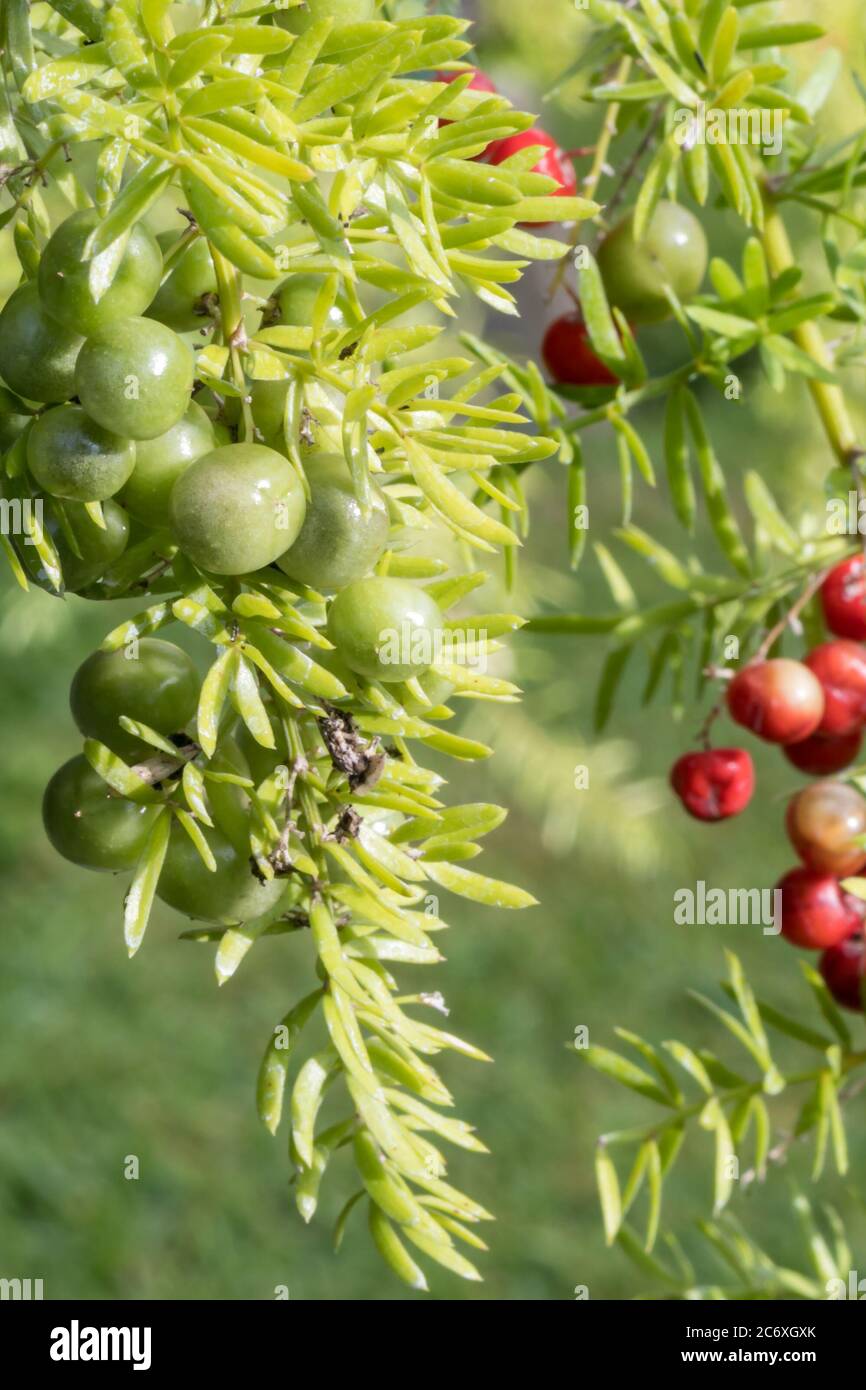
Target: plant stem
x=829 y=399
x=593 y=178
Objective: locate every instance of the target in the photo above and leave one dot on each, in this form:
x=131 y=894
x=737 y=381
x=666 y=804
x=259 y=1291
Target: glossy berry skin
x=158 y=686
x=161 y=461
x=99 y=546
x=569 y=357
x=337 y=543
x=479 y=82
x=296 y=298
x=384 y=628
x=70 y=455
x=816 y=912
x=843 y=598
x=229 y=895
x=554 y=162
x=37 y=356
x=824 y=822
x=779 y=700
x=179 y=301
x=76 y=296
x=237 y=509
x=844 y=970
x=135 y=377
x=96 y=547
x=268 y=403
x=14 y=418
x=88 y=824
x=822 y=756
x=672 y=252
x=229 y=803
x=841 y=668
x=715 y=783
x=298 y=20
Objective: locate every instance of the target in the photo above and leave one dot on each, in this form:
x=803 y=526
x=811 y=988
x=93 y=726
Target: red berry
x=714 y=784
x=841 y=669
x=843 y=598
x=822 y=756
x=816 y=913
x=555 y=163
x=569 y=357
x=779 y=700
x=480 y=81
x=844 y=971
x=824 y=822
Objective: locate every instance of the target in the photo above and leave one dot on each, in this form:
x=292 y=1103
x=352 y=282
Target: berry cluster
x=229 y=421
x=816 y=710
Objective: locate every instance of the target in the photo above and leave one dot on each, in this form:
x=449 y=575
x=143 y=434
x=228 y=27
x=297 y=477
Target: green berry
x=385 y=629
x=70 y=455
x=14 y=418
x=160 y=462
x=672 y=252
x=295 y=300
x=229 y=804
x=237 y=509
x=88 y=824
x=153 y=682
x=89 y=294
x=37 y=356
x=229 y=895
x=268 y=403
x=135 y=377
x=337 y=542
x=99 y=546
x=179 y=301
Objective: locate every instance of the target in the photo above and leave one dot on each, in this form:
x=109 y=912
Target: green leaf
x=142 y=890
x=794 y=359
x=680 y=483
x=357 y=75
x=117 y=774
x=214 y=692
x=609 y=1194
x=307 y=1097
x=727 y=325
x=611 y=676
x=198 y=55
x=662 y=560
x=722 y=520
x=779 y=35
x=452 y=504
x=221 y=95
x=624 y=1071
x=489 y=891
x=393 y=1251
x=713 y=1118
x=763 y=507
x=827 y=1004
x=597 y=316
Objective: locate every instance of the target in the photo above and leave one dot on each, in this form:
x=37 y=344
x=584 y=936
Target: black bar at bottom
x=63 y=1339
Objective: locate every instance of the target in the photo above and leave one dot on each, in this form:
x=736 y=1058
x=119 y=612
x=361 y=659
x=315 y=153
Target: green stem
x=593 y=178
x=850 y=1062
x=630 y=400
x=628 y=625
x=829 y=399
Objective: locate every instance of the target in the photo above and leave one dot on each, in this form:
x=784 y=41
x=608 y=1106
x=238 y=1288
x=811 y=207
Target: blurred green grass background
x=103 y=1058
